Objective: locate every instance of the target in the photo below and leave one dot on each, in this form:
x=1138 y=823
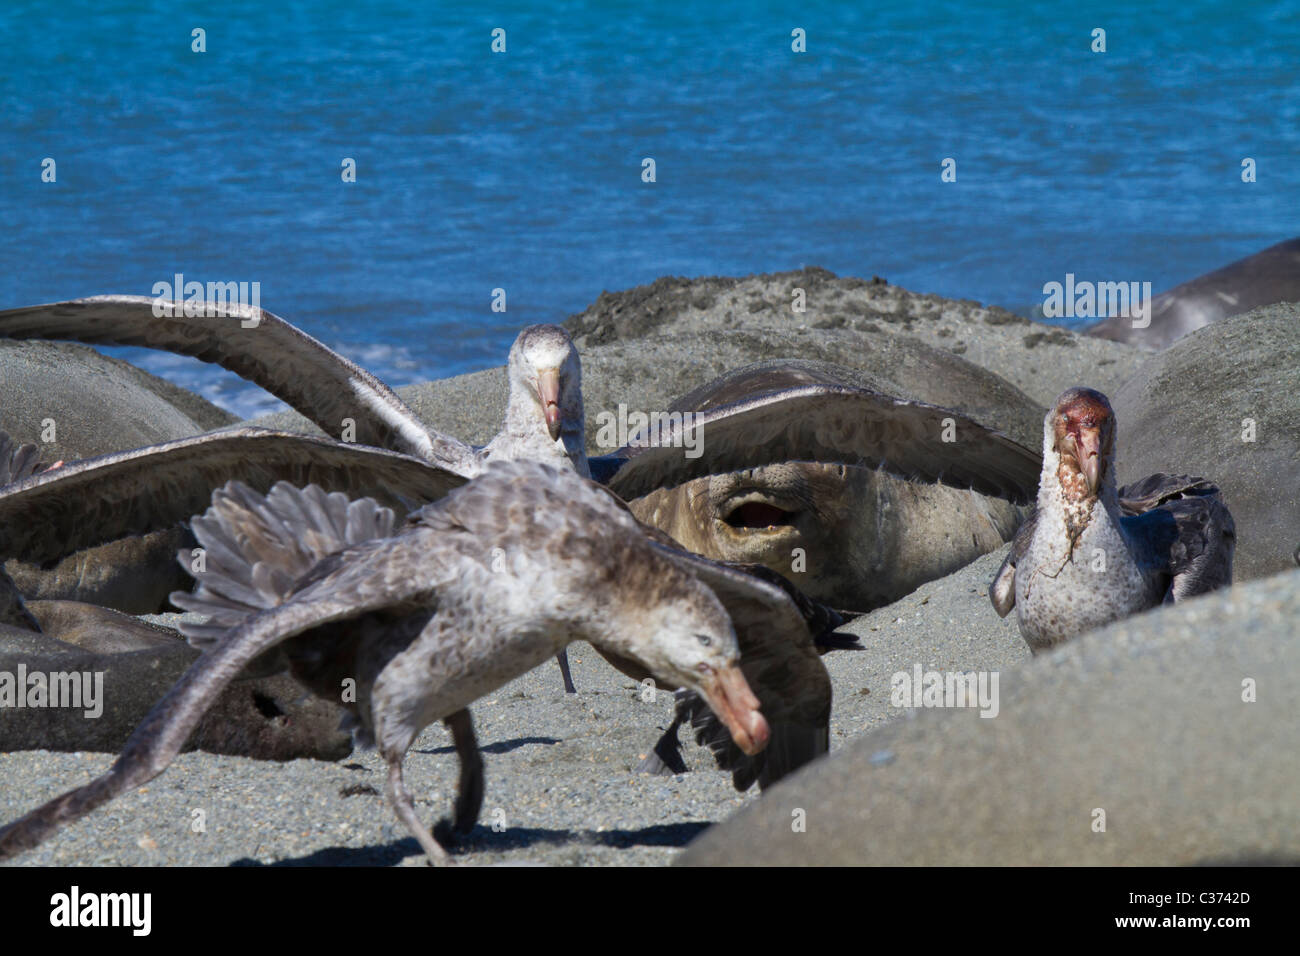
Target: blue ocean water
x=522 y=170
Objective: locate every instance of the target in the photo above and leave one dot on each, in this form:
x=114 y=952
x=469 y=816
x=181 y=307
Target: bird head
x=1082 y=433
x=546 y=373
x=681 y=634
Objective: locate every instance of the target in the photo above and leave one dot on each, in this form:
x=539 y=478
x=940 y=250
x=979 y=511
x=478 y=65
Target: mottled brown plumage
x=544 y=413
x=470 y=592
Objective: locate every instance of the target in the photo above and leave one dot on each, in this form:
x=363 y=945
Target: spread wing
x=391 y=573
x=782 y=665
x=1184 y=529
x=825 y=422
x=79 y=505
x=263 y=348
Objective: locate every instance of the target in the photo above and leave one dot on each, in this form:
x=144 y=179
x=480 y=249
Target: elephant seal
x=72 y=402
x=1222 y=403
x=856 y=538
x=132 y=664
x=1262 y=279
x=853 y=536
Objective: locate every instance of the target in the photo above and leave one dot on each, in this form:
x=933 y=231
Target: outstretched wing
x=79 y=505
x=259 y=346
x=385 y=574
x=825 y=422
x=258 y=547
x=1183 y=527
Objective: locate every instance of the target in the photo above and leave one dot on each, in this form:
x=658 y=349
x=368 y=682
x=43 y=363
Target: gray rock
x=1184 y=411
x=1144 y=720
x=849 y=317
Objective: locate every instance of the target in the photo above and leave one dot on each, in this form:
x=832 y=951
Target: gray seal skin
x=133 y=574
x=855 y=538
x=98 y=405
x=852 y=536
x=1196 y=407
x=1262 y=279
x=268 y=718
x=1144 y=719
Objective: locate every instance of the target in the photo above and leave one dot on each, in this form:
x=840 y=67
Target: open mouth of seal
x=758 y=513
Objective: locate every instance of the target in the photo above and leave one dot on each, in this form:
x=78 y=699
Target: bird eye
x=704 y=639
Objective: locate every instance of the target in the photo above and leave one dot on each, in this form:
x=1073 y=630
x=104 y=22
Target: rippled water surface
x=522 y=170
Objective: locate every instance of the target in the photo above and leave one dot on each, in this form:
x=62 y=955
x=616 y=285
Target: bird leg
x=562 y=659
x=666 y=758
x=469 y=795
x=400 y=798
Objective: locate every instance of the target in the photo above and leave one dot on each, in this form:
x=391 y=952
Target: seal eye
x=704 y=639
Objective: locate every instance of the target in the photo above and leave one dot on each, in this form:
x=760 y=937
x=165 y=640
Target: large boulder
x=1150 y=726
x=1223 y=404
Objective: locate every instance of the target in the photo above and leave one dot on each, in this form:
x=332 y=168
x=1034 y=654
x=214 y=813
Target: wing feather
x=1184 y=529
x=79 y=505
x=261 y=347
x=392 y=573
x=826 y=422
x=782 y=665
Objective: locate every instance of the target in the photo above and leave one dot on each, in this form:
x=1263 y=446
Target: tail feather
x=257 y=547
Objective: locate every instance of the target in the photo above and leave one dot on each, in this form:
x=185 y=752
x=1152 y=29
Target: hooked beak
x=729 y=697
x=548 y=393
x=1084 y=446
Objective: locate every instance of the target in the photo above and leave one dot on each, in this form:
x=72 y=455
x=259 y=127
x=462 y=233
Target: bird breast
x=1063 y=591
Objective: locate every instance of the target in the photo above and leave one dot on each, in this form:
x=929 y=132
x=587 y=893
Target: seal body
x=856 y=538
